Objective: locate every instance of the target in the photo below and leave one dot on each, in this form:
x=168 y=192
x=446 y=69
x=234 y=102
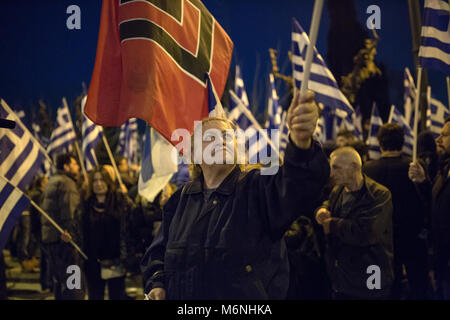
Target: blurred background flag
x=63 y=135
x=128 y=141
x=92 y=135
x=375 y=123
x=434 y=52
x=409 y=97
x=436 y=114
x=12 y=203
x=21 y=155
x=158 y=166
x=321 y=80
x=235 y=113
x=273 y=109
x=395 y=116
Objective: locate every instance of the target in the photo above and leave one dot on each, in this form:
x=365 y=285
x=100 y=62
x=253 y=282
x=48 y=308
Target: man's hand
x=322 y=214
x=416 y=173
x=66 y=237
x=302 y=118
x=157 y=294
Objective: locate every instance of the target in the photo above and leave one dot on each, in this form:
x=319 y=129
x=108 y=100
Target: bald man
x=357 y=222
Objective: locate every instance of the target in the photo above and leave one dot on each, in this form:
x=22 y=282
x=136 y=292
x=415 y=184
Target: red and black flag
x=152 y=60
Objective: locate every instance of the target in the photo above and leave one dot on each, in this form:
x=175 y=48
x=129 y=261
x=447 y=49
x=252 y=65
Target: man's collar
x=227 y=186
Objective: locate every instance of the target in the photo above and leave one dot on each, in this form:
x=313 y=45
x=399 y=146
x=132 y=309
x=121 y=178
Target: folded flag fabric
x=152 y=57
x=434 y=49
x=372 y=141
x=12 y=203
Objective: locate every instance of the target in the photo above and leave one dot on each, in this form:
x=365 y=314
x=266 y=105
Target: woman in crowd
x=104 y=217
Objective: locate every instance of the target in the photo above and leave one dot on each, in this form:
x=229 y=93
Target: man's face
x=443 y=141
x=123 y=165
x=342 y=173
x=218 y=136
x=72 y=168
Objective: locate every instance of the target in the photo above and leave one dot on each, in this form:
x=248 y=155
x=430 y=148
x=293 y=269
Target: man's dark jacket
x=360 y=238
x=60 y=201
x=409 y=208
x=230 y=246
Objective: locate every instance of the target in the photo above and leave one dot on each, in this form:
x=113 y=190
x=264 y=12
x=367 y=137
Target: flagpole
x=313 y=31
x=58 y=228
x=448 y=91
x=77 y=146
x=254 y=122
x=416 y=112
x=113 y=161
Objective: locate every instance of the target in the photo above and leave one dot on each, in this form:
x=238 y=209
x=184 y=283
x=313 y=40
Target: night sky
x=41 y=59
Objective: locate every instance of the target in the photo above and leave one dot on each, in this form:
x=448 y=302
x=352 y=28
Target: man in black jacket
x=221 y=234
x=409 y=212
x=439 y=194
x=357 y=220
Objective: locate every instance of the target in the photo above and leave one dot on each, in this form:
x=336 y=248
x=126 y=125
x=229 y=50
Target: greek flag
x=395 y=116
x=273 y=109
x=21 y=155
x=235 y=113
x=92 y=134
x=284 y=133
x=409 y=97
x=157 y=166
x=128 y=136
x=63 y=135
x=321 y=80
x=436 y=114
x=12 y=203
x=372 y=141
x=434 y=50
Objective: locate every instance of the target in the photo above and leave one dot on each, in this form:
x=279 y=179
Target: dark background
x=41 y=59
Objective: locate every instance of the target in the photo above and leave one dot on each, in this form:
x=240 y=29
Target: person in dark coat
x=357 y=220
x=409 y=212
x=221 y=234
x=104 y=217
x=60 y=201
x=439 y=195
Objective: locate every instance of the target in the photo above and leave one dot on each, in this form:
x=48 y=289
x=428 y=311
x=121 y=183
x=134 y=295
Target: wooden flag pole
x=416 y=112
x=448 y=91
x=113 y=161
x=313 y=31
x=77 y=146
x=58 y=228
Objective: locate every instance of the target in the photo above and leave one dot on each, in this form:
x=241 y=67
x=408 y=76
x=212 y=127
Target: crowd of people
x=330 y=224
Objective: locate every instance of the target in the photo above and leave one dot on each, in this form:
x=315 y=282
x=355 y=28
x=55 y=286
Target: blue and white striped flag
x=92 y=134
x=372 y=141
x=235 y=113
x=273 y=109
x=157 y=166
x=63 y=135
x=436 y=114
x=395 y=116
x=434 y=49
x=409 y=97
x=284 y=133
x=12 y=203
x=321 y=80
x=128 y=141
x=21 y=155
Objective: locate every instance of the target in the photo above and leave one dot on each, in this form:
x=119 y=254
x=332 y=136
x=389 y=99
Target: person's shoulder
x=378 y=190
